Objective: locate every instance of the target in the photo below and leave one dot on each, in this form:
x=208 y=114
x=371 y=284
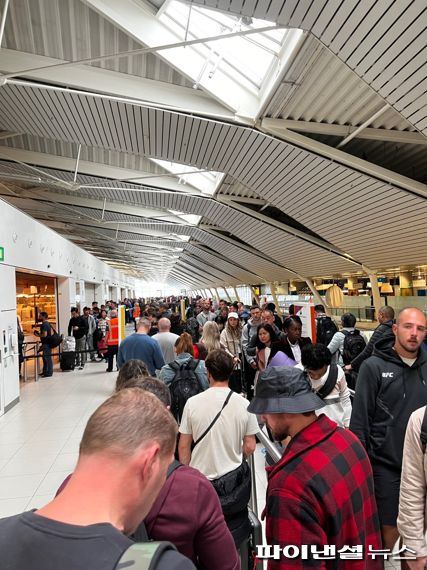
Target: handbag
x=53 y=340
x=234 y=489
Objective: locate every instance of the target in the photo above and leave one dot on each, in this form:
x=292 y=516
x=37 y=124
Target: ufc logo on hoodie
x=387 y=374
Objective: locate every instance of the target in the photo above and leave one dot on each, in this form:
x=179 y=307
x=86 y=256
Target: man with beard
x=391 y=385
x=321 y=491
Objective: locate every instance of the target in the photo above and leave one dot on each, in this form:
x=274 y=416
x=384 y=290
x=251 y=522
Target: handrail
x=272 y=451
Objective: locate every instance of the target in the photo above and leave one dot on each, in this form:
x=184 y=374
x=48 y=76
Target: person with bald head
x=391 y=385
x=166 y=339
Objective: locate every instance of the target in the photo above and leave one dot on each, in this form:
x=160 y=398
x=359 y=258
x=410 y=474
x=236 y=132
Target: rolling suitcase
x=68 y=354
x=67 y=361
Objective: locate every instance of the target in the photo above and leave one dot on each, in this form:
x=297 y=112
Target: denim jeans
x=81 y=351
x=47 y=360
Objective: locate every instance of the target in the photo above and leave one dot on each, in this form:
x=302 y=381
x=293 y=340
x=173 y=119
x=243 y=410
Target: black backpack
x=184 y=385
x=325 y=330
x=354 y=344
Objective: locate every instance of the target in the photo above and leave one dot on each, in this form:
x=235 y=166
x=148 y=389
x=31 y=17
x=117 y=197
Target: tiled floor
x=39 y=438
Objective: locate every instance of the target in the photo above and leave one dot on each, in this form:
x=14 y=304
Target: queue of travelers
x=352 y=479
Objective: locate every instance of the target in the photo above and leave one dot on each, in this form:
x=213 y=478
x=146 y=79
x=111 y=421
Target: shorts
x=387 y=488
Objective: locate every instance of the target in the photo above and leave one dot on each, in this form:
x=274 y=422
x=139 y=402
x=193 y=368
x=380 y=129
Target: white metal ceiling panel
x=358 y=37
x=275 y=182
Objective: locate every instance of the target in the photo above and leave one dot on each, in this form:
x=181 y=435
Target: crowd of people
x=165 y=458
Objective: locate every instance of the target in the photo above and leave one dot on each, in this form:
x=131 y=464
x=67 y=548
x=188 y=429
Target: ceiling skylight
x=205 y=181
x=235 y=70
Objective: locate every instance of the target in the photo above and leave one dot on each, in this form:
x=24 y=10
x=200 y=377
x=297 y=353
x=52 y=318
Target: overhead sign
x=1 y=253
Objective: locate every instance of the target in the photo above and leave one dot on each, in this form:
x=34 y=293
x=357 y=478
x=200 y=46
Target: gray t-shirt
x=167 y=342
x=29 y=541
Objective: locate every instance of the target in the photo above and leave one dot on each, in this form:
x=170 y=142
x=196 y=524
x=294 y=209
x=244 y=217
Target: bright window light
x=227 y=68
x=191 y=219
x=205 y=181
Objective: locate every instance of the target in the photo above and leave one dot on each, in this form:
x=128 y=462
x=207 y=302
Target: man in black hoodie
x=391 y=385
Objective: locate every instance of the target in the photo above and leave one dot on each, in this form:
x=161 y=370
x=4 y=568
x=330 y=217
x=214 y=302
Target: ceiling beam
x=166 y=180
x=271 y=127
x=385 y=135
x=90 y=78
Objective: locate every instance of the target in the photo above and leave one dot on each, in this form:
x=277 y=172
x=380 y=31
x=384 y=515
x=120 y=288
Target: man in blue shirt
x=140 y=346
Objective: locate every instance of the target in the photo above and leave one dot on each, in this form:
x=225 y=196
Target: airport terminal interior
x=195 y=160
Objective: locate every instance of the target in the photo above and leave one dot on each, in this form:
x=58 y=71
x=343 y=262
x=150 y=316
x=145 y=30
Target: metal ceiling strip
x=411 y=90
x=289 y=165
x=321 y=178
x=302 y=173
x=223 y=151
x=267 y=164
x=382 y=72
x=393 y=21
x=185 y=140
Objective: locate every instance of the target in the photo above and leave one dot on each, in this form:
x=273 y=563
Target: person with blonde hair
x=210 y=340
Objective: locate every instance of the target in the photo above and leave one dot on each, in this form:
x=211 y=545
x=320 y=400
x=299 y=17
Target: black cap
x=284 y=390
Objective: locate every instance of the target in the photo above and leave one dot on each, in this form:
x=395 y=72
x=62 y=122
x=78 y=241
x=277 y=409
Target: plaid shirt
x=322 y=493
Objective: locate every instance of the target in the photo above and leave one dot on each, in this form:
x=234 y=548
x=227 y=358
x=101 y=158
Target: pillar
x=276 y=302
x=319 y=300
x=375 y=292
x=237 y=294
x=99 y=294
x=227 y=294
x=66 y=299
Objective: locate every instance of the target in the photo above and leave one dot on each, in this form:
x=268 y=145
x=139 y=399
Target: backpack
x=143 y=555
x=184 y=385
x=53 y=340
x=325 y=330
x=354 y=343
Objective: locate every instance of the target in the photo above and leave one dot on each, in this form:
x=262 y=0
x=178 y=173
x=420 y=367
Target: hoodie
x=383 y=330
x=387 y=392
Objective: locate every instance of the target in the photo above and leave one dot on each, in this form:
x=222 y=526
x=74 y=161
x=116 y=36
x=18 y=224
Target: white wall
x=30 y=245
x=9 y=367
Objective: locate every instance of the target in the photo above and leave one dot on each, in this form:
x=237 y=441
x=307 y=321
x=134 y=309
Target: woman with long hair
x=185 y=355
x=231 y=337
x=270 y=349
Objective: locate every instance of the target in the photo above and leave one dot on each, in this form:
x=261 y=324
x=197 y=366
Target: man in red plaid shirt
x=321 y=509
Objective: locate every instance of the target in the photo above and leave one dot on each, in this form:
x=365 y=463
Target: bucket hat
x=284 y=390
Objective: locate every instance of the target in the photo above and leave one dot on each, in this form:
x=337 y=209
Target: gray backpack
x=143 y=556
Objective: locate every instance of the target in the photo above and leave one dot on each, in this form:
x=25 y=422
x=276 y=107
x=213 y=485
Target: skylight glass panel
x=247 y=60
x=205 y=181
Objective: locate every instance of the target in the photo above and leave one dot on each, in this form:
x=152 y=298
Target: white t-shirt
x=408 y=361
x=220 y=451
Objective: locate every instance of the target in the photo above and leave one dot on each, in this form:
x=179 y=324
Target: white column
x=66 y=299
x=237 y=294
x=100 y=294
x=116 y=293
x=276 y=302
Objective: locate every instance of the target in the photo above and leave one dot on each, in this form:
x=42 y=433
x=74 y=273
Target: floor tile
x=51 y=482
x=38 y=501
x=9 y=507
x=19 y=486
x=64 y=461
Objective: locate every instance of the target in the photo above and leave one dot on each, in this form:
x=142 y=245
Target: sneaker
x=81 y=367
x=108 y=370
